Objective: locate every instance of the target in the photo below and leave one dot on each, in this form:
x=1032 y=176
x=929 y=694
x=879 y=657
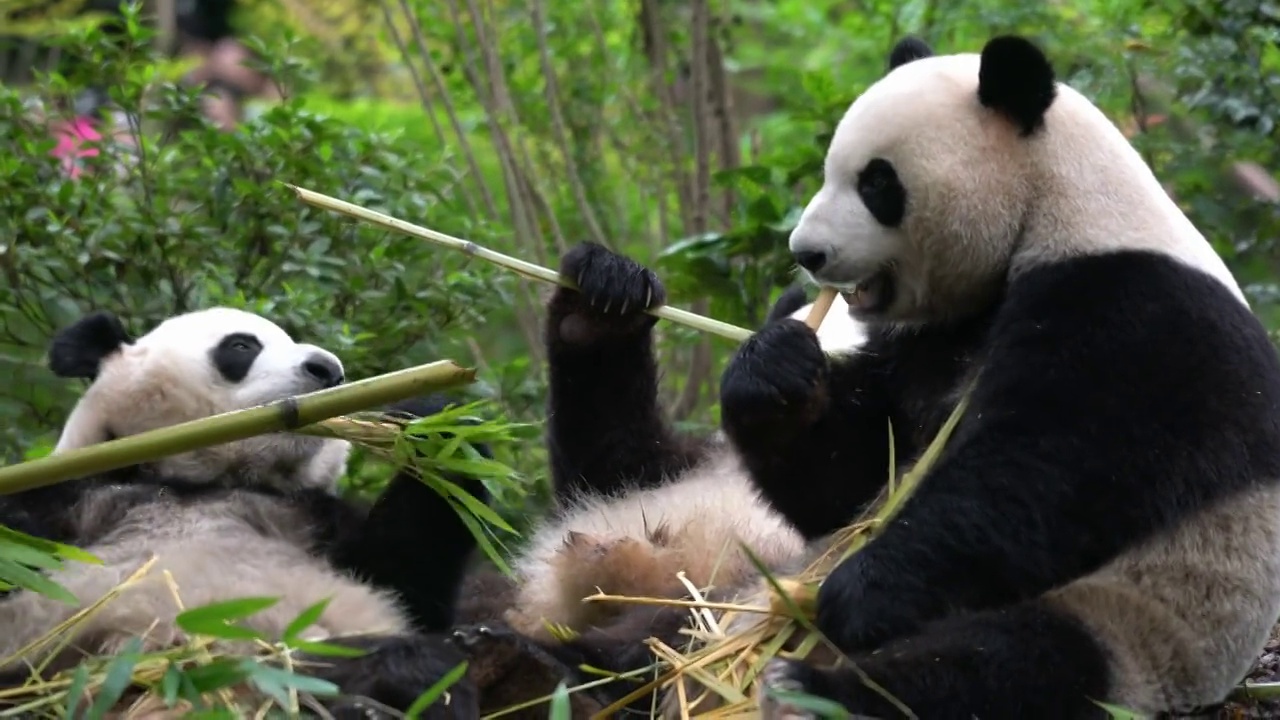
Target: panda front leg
x=813 y=433
x=391 y=674
x=605 y=427
x=1026 y=661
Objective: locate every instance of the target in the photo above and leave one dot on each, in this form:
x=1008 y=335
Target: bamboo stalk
x=520 y=267
x=821 y=306
x=282 y=415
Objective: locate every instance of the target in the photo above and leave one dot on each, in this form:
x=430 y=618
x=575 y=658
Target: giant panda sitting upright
x=1104 y=523
x=256 y=517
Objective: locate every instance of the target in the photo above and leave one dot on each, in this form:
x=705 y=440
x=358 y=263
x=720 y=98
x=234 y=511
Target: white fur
x=839 y=332
x=243 y=545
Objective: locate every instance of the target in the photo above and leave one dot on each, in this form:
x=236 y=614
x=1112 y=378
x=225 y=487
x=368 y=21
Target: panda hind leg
x=391 y=674
x=1024 y=661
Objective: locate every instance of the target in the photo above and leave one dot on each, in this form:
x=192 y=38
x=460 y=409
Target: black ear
x=908 y=49
x=77 y=351
x=1016 y=79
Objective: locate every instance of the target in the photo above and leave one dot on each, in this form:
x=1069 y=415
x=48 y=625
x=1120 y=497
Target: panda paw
x=859 y=610
x=781 y=678
x=496 y=651
x=612 y=296
x=778 y=677
x=776 y=384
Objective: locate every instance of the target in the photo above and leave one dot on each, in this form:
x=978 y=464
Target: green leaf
x=221 y=673
x=437 y=689
x=276 y=682
x=31 y=580
x=477 y=508
x=327 y=649
x=29 y=556
x=215 y=619
x=821 y=707
x=67 y=552
x=119 y=675
x=75 y=693
x=305 y=619
x=560 y=703
x=1119 y=713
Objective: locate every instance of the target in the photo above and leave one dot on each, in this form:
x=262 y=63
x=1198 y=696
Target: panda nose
x=810 y=260
x=323 y=369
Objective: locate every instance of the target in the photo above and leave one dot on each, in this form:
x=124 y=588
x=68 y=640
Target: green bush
x=192 y=217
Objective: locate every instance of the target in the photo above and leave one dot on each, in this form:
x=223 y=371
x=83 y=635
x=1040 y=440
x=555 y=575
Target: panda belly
x=635 y=544
x=204 y=553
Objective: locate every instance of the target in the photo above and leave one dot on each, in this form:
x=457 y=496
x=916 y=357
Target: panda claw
x=777 y=675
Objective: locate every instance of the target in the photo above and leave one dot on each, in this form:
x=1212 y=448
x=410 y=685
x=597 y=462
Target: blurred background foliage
x=685 y=133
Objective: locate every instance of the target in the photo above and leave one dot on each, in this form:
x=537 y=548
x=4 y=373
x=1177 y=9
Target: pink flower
x=72 y=137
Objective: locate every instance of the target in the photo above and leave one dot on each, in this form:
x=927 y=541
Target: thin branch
x=558 y=125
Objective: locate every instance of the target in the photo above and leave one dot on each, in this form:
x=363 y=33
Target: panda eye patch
x=882 y=192
x=234 y=355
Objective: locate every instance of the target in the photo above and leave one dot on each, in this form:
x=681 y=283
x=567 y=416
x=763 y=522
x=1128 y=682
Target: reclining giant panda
x=1104 y=524
x=638 y=502
x=256 y=517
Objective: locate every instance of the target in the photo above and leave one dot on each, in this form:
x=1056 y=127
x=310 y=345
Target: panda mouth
x=873 y=295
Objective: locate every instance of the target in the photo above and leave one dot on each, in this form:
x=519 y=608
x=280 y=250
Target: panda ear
x=77 y=351
x=1016 y=79
x=908 y=49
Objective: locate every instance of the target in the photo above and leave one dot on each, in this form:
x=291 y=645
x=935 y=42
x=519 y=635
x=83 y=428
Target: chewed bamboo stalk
x=820 y=308
x=516 y=265
x=289 y=414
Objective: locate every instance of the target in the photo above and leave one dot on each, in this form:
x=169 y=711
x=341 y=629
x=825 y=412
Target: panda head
x=953 y=172
x=192 y=366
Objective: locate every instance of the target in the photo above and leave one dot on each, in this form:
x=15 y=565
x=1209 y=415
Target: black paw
x=776 y=383
x=392 y=674
x=783 y=678
x=612 y=296
x=860 y=612
x=497 y=652
x=836 y=693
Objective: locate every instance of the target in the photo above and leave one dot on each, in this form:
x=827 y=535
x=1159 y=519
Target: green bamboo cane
x=516 y=265
x=289 y=414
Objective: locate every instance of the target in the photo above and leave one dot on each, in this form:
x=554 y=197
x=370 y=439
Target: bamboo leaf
x=437 y=689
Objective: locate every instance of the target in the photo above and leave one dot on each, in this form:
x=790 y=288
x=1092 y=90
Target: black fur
x=1100 y=418
x=1043 y=663
x=77 y=351
x=234 y=355
x=779 y=397
x=393 y=672
x=408 y=518
x=605 y=428
x=908 y=49
x=882 y=192
x=409 y=541
x=1016 y=79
